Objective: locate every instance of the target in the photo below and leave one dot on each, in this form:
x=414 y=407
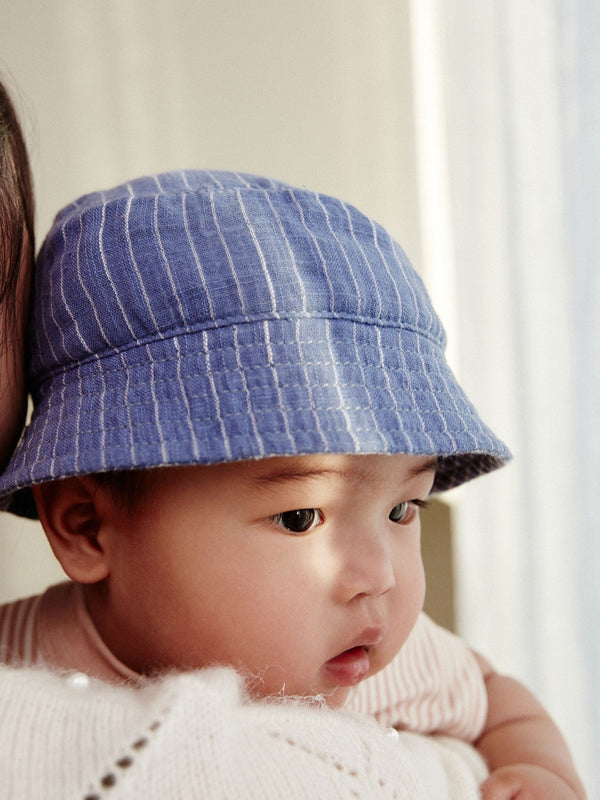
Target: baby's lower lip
x=350 y=667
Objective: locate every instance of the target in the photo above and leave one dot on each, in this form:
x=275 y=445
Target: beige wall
x=314 y=93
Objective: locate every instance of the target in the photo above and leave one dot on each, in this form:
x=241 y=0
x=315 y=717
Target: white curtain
x=508 y=126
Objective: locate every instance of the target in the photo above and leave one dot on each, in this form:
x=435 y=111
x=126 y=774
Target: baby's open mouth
x=350 y=667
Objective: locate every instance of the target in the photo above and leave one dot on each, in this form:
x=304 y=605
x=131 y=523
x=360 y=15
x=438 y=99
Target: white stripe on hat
x=228 y=254
x=215 y=394
x=318 y=249
x=346 y=259
x=375 y=287
x=422 y=309
x=261 y=256
x=186 y=224
x=102 y=413
x=242 y=180
x=135 y=264
x=249 y=408
x=164 y=256
x=65 y=303
x=127 y=408
x=367 y=386
x=84 y=287
x=110 y=279
x=399 y=335
x=290 y=252
x=336 y=384
x=54 y=320
x=184 y=396
x=41 y=439
x=61 y=408
x=214 y=178
x=273 y=366
x=419 y=353
x=78 y=420
x=385 y=373
x=47 y=336
x=309 y=386
x=386 y=267
x=459 y=415
x=161 y=435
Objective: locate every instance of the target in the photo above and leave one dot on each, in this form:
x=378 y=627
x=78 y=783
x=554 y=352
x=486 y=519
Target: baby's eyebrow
x=293 y=474
x=281 y=476
x=428 y=466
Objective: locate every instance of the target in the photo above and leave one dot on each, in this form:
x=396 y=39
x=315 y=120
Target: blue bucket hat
x=201 y=317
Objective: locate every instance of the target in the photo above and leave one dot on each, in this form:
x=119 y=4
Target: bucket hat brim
x=303 y=387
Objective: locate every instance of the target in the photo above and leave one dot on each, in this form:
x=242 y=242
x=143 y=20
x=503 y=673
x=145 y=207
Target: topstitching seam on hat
x=243 y=435
x=82 y=206
x=261 y=368
x=396 y=408
x=152 y=339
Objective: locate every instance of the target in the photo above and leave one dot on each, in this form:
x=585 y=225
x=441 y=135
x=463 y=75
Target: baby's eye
x=405 y=512
x=299 y=521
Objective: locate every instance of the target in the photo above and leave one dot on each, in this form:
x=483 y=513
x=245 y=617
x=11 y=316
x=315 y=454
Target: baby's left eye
x=400 y=512
x=405 y=512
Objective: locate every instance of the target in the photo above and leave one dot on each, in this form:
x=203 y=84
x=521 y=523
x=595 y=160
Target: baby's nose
x=367 y=567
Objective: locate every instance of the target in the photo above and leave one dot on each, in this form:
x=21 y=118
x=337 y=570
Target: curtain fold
x=518 y=101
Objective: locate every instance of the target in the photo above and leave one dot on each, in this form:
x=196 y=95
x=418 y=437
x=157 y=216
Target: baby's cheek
x=397 y=635
x=382 y=658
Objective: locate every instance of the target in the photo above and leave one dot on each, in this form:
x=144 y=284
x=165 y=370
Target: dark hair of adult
x=16 y=211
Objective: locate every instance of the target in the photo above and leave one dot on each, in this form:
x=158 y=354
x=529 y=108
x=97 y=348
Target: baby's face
x=304 y=573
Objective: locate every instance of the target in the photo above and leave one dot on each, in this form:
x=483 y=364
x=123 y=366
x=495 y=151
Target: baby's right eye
x=299 y=521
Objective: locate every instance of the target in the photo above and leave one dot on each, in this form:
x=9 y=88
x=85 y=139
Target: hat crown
x=185 y=251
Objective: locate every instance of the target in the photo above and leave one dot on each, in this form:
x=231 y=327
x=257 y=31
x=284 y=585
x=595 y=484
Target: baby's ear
x=70 y=511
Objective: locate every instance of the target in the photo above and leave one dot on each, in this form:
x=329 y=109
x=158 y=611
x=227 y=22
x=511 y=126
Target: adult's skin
x=16 y=258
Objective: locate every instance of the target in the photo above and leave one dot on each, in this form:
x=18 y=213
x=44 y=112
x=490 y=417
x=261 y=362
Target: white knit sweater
x=196 y=735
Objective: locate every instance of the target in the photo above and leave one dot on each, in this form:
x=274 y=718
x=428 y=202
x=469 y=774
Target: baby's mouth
x=350 y=667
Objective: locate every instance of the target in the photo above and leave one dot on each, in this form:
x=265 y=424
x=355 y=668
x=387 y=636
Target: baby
x=241 y=404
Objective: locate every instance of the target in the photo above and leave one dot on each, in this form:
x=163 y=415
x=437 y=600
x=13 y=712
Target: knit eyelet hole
x=108 y=781
x=140 y=743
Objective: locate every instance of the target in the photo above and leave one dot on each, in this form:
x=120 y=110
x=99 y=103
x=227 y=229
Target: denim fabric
x=198 y=317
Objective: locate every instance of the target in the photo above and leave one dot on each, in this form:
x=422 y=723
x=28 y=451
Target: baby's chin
x=337 y=698
x=259 y=687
